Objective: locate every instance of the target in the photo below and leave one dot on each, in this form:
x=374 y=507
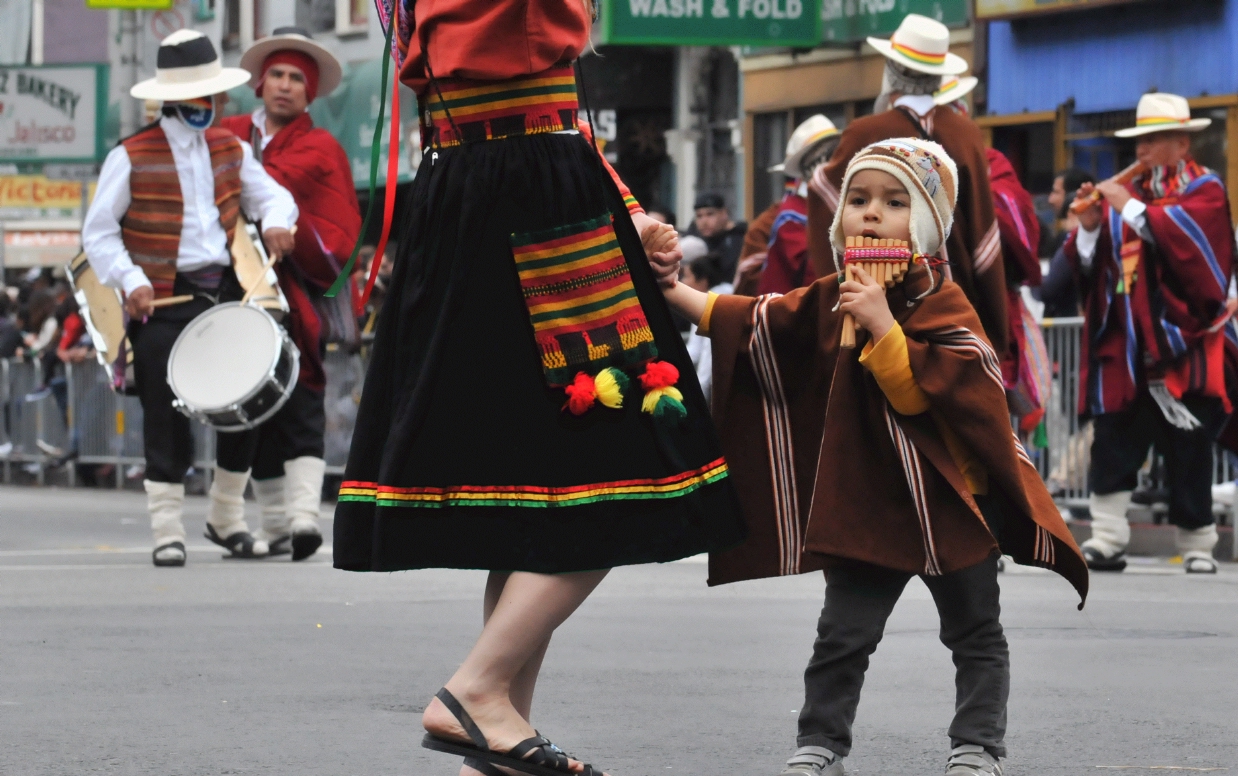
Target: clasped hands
x=661 y=244
x=279 y=242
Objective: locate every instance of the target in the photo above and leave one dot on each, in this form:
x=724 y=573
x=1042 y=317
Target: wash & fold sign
x=712 y=22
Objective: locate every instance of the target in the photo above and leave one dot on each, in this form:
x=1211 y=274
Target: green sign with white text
x=847 y=21
x=712 y=22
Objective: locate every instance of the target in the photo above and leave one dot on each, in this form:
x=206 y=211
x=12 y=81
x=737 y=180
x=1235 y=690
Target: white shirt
x=203 y=240
x=1134 y=213
x=920 y=103
x=259 y=117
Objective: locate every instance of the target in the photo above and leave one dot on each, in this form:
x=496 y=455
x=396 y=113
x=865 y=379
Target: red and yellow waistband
x=493 y=110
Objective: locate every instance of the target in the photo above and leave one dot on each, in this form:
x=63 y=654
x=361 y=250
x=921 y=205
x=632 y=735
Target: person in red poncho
x=286 y=455
x=1024 y=360
x=1154 y=260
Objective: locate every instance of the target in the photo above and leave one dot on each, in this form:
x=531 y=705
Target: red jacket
x=786 y=265
x=312 y=165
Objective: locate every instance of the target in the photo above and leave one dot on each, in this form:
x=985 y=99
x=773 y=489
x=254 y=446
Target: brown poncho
x=825 y=468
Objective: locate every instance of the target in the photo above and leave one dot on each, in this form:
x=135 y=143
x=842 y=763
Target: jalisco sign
x=712 y=22
x=52 y=113
x=846 y=21
x=1002 y=9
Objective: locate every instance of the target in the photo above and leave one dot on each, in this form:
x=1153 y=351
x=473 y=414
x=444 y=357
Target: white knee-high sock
x=1111 y=531
x=270 y=496
x=1198 y=542
x=303 y=492
x=164 y=501
x=226 y=511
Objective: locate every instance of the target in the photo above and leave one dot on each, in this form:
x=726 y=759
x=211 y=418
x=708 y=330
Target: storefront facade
x=1061 y=82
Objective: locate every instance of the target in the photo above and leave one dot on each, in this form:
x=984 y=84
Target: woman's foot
x=496 y=718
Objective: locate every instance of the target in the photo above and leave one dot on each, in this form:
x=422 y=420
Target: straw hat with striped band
x=805 y=139
x=954 y=88
x=1162 y=112
x=187 y=67
x=295 y=39
x=921 y=44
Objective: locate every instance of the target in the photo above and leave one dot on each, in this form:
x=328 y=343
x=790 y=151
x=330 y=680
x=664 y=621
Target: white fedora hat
x=807 y=136
x=294 y=39
x=1162 y=112
x=954 y=88
x=921 y=44
x=187 y=67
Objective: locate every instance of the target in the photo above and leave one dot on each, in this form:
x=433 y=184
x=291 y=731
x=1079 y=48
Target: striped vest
x=151 y=228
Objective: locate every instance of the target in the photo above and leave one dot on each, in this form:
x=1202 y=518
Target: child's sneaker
x=814 y=761
x=972 y=760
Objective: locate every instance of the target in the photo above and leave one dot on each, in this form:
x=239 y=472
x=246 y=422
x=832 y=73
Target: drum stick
x=171 y=300
x=270 y=263
x=1124 y=177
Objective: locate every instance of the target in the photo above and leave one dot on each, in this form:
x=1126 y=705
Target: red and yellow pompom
x=662 y=399
x=606 y=388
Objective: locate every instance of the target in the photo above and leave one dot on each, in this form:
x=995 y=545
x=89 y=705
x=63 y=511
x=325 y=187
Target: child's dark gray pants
x=858 y=599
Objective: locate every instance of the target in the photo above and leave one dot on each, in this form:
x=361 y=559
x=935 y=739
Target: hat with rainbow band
x=921 y=44
x=1162 y=112
x=954 y=88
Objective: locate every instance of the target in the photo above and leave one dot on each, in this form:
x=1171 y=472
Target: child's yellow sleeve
x=889 y=363
x=702 y=328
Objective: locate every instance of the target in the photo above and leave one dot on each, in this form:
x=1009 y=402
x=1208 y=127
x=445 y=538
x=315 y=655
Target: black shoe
x=1099 y=562
x=173 y=561
x=305 y=544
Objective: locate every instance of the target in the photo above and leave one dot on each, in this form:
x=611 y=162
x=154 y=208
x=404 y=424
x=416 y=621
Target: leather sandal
x=536 y=756
x=240 y=544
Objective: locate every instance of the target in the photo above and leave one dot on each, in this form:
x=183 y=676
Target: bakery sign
x=52 y=113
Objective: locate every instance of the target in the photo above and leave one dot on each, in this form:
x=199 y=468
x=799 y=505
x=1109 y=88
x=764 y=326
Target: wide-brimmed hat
x=294 y=39
x=186 y=67
x=806 y=137
x=954 y=88
x=1162 y=112
x=921 y=44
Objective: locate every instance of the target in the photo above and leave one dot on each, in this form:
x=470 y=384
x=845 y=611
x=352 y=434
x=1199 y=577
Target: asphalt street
x=111 y=666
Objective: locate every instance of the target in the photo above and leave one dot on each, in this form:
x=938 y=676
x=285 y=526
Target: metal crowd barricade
x=77 y=411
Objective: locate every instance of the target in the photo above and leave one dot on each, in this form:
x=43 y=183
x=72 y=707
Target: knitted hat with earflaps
x=931 y=179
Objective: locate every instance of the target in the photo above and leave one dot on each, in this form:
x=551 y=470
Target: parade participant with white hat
x=1153 y=258
x=161 y=225
x=289 y=71
x=917 y=56
x=787 y=265
x=953 y=91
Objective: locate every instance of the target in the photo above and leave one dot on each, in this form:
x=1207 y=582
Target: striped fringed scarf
x=1168 y=181
x=581 y=301
x=151 y=228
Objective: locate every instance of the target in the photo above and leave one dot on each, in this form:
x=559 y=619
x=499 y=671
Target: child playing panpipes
x=881 y=463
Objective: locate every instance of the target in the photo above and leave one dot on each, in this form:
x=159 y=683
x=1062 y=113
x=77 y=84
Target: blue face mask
x=198 y=113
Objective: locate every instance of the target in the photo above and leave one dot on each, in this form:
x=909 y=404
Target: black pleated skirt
x=463 y=454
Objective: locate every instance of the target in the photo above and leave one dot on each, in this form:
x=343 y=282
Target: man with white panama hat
x=161 y=225
x=787 y=266
x=917 y=56
x=1154 y=260
x=285 y=454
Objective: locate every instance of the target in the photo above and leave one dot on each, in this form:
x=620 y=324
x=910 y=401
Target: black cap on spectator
x=709 y=199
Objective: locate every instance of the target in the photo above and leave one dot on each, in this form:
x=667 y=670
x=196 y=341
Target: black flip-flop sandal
x=305 y=545
x=280 y=546
x=240 y=544
x=536 y=756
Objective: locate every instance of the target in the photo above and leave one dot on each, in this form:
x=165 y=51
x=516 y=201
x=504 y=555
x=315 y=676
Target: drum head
x=222 y=356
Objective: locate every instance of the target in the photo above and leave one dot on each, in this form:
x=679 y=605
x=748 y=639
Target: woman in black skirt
x=529 y=407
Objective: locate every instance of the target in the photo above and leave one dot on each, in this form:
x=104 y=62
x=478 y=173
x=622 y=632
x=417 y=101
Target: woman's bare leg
x=526 y=614
x=522 y=686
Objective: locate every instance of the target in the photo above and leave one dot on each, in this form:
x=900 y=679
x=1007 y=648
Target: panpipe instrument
x=886 y=261
x=1124 y=177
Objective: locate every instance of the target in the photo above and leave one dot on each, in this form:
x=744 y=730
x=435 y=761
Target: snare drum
x=233 y=367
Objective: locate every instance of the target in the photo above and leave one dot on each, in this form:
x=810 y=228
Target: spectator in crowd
x=10 y=330
x=713 y=224
x=701 y=269
x=1058 y=292
x=40 y=325
x=662 y=215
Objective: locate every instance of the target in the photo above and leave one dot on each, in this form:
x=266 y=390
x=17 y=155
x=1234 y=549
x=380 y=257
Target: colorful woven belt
x=493 y=110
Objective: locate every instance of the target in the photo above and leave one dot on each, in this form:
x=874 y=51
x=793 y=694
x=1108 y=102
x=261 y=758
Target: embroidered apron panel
x=581 y=301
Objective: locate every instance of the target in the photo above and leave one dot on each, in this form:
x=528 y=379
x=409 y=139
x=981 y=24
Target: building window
x=316 y=15
x=242 y=23
x=769 y=136
x=352 y=17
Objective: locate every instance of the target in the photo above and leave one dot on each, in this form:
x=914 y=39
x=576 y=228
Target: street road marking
x=1156 y=768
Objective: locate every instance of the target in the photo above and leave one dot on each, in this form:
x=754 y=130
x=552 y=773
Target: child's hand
x=865 y=299
x=661 y=244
